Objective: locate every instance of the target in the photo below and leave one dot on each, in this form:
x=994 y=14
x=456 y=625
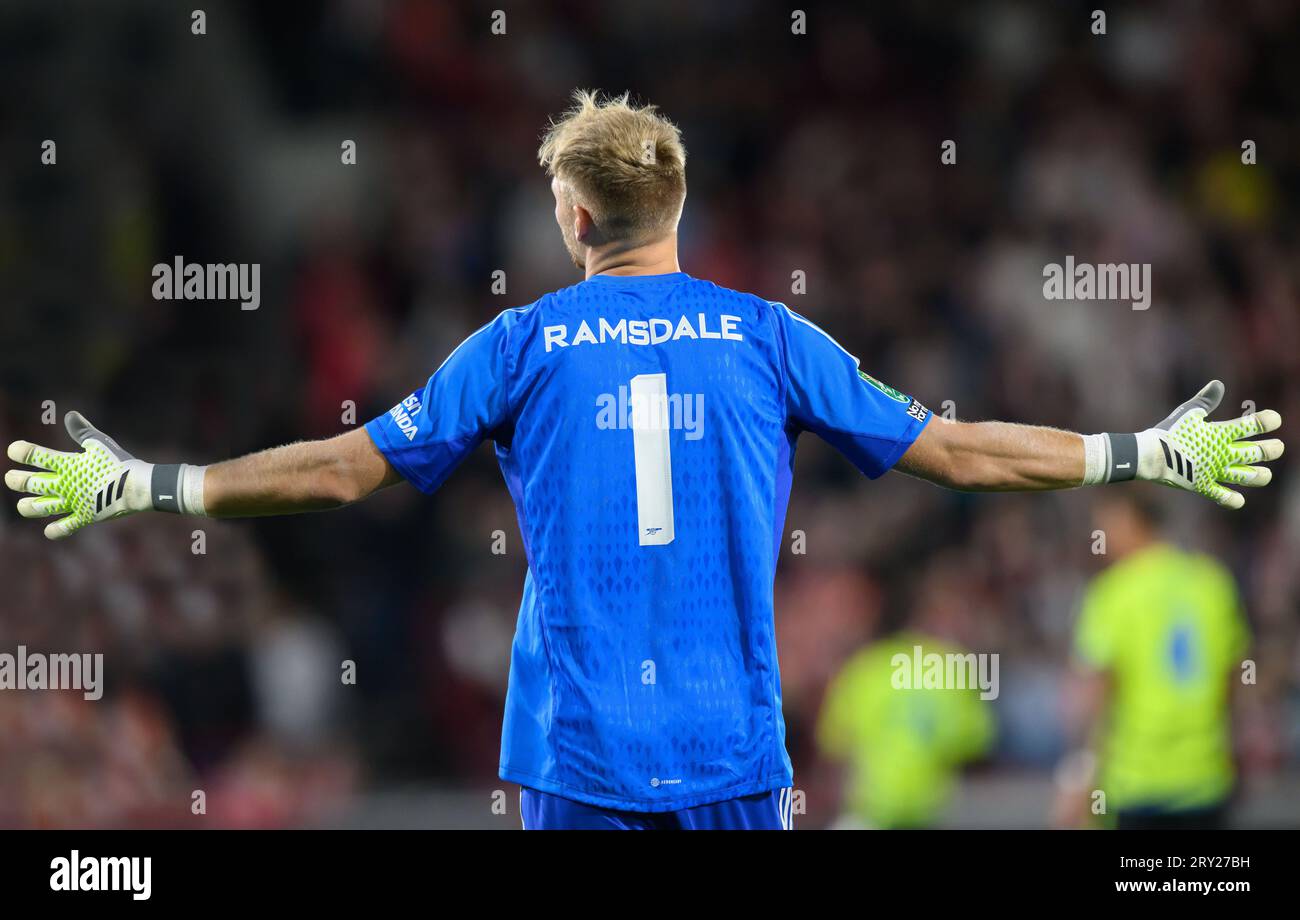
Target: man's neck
x=657 y=258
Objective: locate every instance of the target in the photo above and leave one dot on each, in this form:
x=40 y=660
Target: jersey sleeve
x=868 y=421
x=427 y=434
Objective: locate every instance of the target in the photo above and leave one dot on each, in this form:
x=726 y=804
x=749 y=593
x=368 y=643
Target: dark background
x=816 y=153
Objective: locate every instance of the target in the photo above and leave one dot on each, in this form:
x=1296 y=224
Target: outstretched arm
x=1184 y=451
x=306 y=476
x=102 y=481
x=995 y=457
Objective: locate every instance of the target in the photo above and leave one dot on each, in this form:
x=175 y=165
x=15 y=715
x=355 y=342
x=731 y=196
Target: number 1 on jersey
x=653 y=457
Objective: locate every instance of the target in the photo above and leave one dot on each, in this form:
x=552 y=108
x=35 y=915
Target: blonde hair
x=625 y=163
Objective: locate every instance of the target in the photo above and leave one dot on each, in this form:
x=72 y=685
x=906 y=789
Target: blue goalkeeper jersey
x=646 y=429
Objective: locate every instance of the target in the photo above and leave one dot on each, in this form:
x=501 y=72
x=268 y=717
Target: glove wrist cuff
x=1110 y=458
x=192 y=489
x=177 y=488
x=1095 y=452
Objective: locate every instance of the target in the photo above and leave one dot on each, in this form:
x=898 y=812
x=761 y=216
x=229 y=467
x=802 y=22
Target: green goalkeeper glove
x=99 y=483
x=1187 y=452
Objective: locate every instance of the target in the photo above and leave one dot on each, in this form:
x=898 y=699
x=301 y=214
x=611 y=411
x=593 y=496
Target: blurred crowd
x=813 y=153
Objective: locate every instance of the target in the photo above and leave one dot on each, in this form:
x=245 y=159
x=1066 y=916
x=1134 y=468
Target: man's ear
x=582 y=223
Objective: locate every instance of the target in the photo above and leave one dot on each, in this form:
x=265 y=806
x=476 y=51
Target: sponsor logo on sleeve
x=402 y=415
x=884 y=388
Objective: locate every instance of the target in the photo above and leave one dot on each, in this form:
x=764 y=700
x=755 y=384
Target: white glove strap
x=192 y=489
x=1094 y=459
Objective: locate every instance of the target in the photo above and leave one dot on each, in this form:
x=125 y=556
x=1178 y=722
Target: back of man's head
x=625 y=164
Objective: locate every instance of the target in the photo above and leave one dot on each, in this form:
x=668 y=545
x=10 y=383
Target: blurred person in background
x=904 y=744
x=1158 y=643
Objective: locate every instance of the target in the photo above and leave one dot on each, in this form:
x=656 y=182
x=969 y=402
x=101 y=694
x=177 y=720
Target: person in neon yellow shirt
x=1158 y=644
x=903 y=746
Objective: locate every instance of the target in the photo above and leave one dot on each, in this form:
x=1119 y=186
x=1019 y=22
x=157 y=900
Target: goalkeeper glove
x=1187 y=452
x=100 y=482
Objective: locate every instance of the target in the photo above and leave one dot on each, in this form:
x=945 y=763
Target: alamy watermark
x=75 y=872
x=1104 y=281
x=38 y=671
x=183 y=280
x=626 y=410
x=922 y=670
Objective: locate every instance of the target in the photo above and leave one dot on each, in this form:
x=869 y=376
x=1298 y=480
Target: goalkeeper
x=103 y=481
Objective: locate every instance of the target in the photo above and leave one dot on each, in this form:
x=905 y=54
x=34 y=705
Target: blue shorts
x=766 y=811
